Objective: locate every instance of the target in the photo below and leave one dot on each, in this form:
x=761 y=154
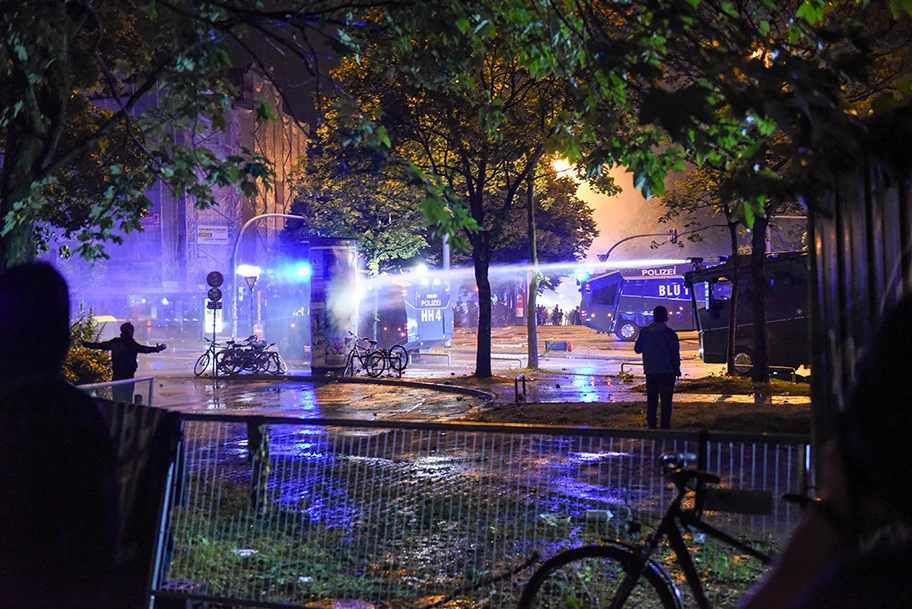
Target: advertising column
x=334 y=303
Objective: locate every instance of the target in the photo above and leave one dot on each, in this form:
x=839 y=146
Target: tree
x=462 y=110
x=356 y=193
x=93 y=93
x=884 y=52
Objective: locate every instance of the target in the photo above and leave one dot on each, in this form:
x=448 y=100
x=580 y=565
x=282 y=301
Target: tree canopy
x=100 y=99
x=357 y=193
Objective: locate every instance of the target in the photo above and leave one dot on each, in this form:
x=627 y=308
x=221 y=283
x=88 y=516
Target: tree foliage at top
x=357 y=193
x=446 y=91
x=100 y=99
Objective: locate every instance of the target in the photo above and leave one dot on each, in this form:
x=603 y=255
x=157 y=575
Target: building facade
x=157 y=278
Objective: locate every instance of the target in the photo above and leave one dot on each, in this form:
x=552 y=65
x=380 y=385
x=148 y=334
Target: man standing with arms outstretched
x=661 y=363
x=123 y=359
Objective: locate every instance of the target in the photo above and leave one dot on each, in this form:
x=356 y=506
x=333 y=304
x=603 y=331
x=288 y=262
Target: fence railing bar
x=514 y=428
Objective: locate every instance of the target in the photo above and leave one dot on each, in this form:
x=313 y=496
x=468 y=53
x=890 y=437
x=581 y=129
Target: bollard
x=521 y=377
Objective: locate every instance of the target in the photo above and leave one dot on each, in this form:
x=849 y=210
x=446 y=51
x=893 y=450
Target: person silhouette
x=853 y=547
x=661 y=352
x=58 y=515
x=124 y=350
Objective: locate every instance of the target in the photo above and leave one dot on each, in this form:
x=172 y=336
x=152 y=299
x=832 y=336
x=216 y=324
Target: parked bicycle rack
x=640 y=364
x=516 y=381
x=420 y=355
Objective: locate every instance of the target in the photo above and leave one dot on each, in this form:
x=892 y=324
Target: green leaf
x=383 y=136
x=265 y=113
x=764 y=28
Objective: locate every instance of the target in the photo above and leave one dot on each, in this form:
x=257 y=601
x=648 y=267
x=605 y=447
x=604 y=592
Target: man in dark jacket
x=662 y=363
x=123 y=352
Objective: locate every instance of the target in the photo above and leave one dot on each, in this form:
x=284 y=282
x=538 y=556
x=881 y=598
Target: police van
x=622 y=301
x=786 y=313
x=415 y=314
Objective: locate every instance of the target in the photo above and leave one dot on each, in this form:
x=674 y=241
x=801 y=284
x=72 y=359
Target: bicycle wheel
x=225 y=362
x=399 y=359
x=375 y=365
x=588 y=578
x=202 y=364
x=274 y=363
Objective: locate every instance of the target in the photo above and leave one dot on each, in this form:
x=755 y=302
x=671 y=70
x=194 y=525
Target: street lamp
x=251 y=274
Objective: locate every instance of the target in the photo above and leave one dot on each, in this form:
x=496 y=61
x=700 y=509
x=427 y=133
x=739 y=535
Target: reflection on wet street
x=308 y=398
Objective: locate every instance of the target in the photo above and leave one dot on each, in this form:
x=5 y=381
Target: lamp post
x=251 y=274
x=672 y=234
x=234 y=267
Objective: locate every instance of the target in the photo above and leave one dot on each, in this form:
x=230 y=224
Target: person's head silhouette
x=34 y=321
x=126 y=330
x=660 y=314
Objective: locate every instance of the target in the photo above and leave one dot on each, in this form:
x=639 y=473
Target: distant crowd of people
x=465 y=315
x=557 y=317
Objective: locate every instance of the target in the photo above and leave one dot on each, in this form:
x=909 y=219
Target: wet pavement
x=586 y=371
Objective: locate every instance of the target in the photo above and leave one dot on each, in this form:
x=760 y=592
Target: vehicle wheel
x=589 y=577
x=399 y=359
x=627 y=330
x=375 y=365
x=744 y=361
x=202 y=364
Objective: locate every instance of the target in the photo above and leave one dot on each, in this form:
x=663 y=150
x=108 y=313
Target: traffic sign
x=215 y=279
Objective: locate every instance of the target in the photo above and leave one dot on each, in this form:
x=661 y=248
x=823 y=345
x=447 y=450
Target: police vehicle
x=622 y=301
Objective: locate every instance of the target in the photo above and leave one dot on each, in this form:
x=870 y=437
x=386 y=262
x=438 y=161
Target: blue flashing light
x=303 y=271
x=581 y=275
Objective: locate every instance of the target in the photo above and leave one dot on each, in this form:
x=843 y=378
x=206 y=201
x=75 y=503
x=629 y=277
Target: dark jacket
x=123 y=355
x=660 y=348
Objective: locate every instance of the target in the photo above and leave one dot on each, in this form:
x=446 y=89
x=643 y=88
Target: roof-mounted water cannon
x=696 y=261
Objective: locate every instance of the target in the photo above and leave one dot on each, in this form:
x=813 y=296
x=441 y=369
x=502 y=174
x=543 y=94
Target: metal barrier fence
x=135 y=391
x=277 y=512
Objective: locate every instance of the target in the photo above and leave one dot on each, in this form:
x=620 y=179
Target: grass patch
x=693 y=416
x=733 y=385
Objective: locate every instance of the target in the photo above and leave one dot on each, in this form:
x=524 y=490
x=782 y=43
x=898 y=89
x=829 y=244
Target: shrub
x=84 y=366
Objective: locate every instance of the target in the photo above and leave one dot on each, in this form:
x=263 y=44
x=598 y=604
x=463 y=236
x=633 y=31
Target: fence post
x=258 y=456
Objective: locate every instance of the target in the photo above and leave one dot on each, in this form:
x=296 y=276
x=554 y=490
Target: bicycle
x=617 y=574
x=211 y=353
x=252 y=355
x=369 y=357
x=396 y=359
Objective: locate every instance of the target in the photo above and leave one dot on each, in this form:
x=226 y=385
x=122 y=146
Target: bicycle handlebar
x=360 y=338
x=677 y=471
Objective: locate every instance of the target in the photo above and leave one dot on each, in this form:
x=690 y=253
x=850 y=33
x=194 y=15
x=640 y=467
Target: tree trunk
x=760 y=370
x=17 y=246
x=481 y=259
x=733 y=301
x=532 y=294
